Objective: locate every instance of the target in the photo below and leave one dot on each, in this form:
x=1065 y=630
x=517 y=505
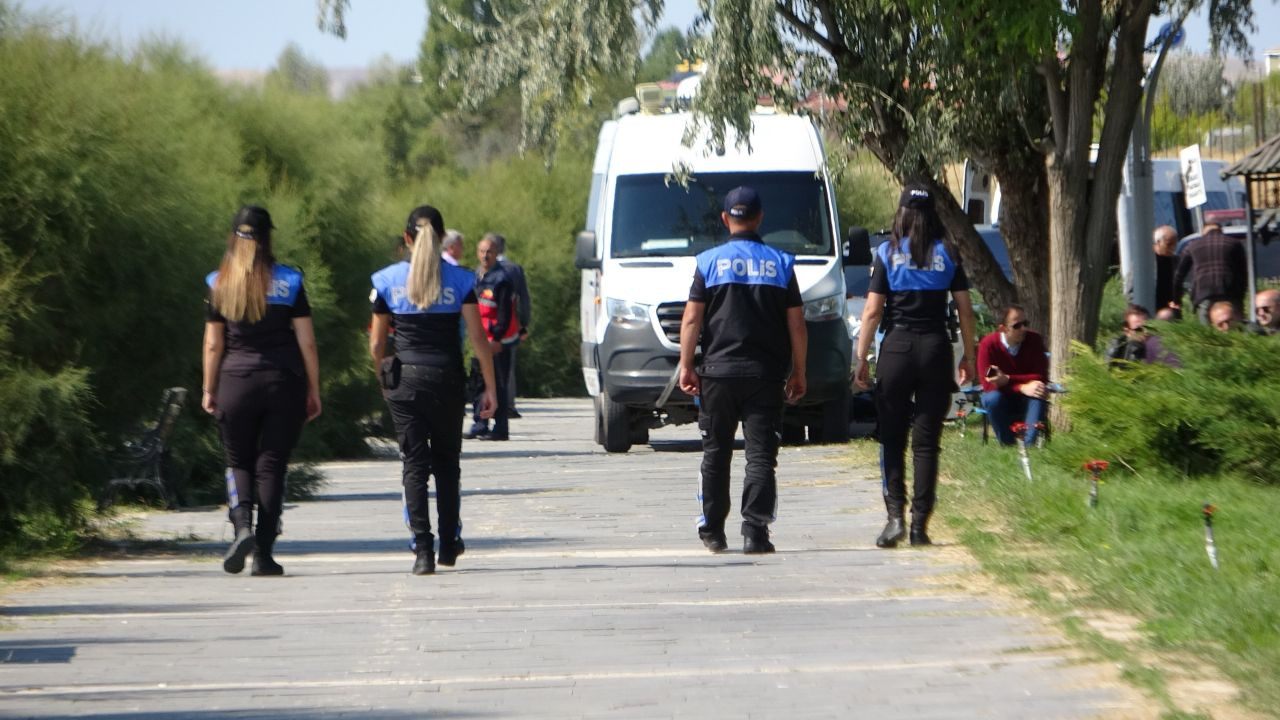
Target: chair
x=141 y=462
x=973 y=394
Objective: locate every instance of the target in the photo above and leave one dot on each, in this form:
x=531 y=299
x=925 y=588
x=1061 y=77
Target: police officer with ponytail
x=911 y=277
x=261 y=381
x=423 y=383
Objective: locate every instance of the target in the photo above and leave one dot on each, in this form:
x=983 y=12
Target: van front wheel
x=615 y=425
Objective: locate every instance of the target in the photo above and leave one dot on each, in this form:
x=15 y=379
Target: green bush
x=118 y=177
x=1217 y=414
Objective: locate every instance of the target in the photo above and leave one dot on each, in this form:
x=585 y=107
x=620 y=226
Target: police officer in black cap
x=745 y=309
x=911 y=277
x=423 y=383
x=261 y=380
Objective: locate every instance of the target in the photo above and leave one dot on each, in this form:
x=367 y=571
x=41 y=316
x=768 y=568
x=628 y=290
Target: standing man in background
x=524 y=313
x=452 y=247
x=1218 y=270
x=745 y=308
x=1164 y=242
x=497 y=317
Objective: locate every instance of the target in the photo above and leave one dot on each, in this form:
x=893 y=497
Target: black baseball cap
x=742 y=202
x=252 y=222
x=428 y=213
x=916 y=197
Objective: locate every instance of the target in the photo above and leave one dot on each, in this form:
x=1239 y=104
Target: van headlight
x=627 y=312
x=830 y=307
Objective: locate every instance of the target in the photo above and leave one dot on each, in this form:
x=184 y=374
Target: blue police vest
x=391 y=284
x=286 y=283
x=745 y=262
x=904 y=276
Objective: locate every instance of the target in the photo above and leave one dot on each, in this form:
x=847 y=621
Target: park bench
x=141 y=462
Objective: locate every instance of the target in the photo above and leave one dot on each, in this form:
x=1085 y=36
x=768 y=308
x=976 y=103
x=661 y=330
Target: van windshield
x=652 y=216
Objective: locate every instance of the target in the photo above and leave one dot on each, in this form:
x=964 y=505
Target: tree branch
x=1052 y=73
x=809 y=31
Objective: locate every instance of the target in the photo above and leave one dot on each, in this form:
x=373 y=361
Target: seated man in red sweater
x=1015 y=373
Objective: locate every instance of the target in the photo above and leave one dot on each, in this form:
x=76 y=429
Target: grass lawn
x=1140 y=554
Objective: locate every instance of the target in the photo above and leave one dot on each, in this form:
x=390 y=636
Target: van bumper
x=635 y=367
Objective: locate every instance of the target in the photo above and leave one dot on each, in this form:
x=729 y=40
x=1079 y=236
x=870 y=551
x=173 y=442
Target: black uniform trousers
x=260 y=415
x=427 y=409
x=757 y=404
x=915 y=377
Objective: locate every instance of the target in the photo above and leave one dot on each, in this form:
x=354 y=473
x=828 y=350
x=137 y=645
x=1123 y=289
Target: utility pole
x=1135 y=211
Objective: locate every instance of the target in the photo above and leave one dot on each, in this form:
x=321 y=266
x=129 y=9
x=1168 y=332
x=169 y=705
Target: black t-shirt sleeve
x=380 y=306
x=793 y=292
x=301 y=307
x=879 y=277
x=960 y=281
x=698 y=291
x=470 y=299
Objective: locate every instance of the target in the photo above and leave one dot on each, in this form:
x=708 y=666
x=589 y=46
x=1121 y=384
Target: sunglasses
x=1019 y=325
x=1263 y=309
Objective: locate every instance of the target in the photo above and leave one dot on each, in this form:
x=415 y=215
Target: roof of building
x=1262 y=160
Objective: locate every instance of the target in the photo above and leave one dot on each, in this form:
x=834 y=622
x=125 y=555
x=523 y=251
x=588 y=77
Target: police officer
x=745 y=308
x=261 y=380
x=423 y=298
x=911 y=277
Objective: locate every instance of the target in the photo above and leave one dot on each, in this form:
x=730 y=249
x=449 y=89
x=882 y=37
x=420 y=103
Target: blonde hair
x=424 y=267
x=240 y=292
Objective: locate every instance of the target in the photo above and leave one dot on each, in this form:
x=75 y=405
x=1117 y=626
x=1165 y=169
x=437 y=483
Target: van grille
x=669 y=317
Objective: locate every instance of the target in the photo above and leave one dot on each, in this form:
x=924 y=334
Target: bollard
x=1095 y=468
x=1209 y=546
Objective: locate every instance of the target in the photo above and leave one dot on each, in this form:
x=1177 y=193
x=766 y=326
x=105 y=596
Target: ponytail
x=240 y=292
x=424 y=267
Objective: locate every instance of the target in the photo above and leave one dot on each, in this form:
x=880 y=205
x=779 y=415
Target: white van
x=637 y=252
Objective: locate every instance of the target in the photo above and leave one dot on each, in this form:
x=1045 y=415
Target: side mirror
x=585 y=255
x=858 y=247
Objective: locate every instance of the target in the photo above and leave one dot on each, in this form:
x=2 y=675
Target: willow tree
x=1027 y=87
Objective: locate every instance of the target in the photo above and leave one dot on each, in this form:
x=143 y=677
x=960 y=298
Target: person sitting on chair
x=1015 y=377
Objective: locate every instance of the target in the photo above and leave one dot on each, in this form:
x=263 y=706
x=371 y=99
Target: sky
x=249 y=34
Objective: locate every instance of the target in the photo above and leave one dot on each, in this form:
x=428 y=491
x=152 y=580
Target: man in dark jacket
x=1218 y=270
x=497 y=305
x=524 y=314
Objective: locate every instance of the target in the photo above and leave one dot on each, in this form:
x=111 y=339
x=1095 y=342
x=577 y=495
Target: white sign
x=1192 y=177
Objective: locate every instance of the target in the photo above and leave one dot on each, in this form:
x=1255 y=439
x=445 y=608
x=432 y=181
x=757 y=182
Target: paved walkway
x=584 y=592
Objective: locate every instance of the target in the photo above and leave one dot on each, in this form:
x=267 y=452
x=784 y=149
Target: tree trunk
x=980 y=265
x=1068 y=277
x=1025 y=225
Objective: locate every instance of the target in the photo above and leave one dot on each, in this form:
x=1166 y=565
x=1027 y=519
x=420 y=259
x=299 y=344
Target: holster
x=389 y=372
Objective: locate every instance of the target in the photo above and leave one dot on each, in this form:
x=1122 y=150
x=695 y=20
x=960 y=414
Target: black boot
x=263 y=563
x=244 y=542
x=449 y=552
x=919 y=529
x=424 y=561
x=894 y=530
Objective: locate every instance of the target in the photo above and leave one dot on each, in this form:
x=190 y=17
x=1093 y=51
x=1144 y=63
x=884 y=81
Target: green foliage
x=117 y=180
x=866 y=194
x=670 y=47
x=1141 y=551
x=296 y=73
x=1210 y=416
